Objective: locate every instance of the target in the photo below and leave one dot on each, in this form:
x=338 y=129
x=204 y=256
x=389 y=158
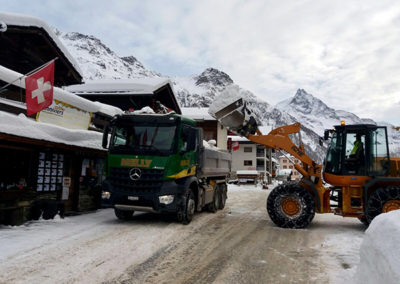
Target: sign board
x=66 y=186
x=64 y=115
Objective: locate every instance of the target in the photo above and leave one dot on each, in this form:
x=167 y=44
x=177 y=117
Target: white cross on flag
x=39 y=89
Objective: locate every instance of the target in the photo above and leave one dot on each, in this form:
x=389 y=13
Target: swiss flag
x=39 y=89
x=235 y=145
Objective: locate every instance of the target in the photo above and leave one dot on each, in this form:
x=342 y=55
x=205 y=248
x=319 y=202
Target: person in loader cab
x=356 y=160
x=358 y=148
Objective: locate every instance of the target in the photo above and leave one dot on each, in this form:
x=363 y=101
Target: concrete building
x=253 y=157
x=285 y=164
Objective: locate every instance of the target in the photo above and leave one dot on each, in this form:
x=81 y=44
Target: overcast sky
x=346 y=53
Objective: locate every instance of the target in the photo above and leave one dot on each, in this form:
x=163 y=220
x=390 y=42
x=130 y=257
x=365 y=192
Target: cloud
x=344 y=52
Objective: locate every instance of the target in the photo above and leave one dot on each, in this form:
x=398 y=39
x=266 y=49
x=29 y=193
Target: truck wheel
x=382 y=200
x=290 y=205
x=214 y=205
x=123 y=214
x=186 y=214
x=223 y=195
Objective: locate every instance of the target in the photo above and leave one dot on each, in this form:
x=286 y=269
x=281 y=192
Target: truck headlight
x=105 y=195
x=166 y=199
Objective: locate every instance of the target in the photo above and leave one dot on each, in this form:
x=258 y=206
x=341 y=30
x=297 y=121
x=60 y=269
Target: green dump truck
x=158 y=163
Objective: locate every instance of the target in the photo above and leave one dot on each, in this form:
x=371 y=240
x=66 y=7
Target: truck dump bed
x=214 y=163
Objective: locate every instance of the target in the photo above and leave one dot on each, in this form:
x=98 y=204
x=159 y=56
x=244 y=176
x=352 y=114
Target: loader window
x=354 y=163
x=379 y=154
x=333 y=163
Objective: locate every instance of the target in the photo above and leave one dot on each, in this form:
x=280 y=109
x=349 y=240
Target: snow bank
x=380 y=251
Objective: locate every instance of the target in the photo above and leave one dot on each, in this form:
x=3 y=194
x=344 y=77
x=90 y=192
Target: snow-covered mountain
x=315 y=114
x=97 y=61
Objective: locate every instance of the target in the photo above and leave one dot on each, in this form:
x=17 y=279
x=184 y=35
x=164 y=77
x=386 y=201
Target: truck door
x=190 y=144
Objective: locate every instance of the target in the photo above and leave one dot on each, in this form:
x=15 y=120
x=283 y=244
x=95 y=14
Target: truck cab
x=154 y=164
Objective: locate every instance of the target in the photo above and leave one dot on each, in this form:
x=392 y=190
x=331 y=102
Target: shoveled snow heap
x=380 y=251
x=22 y=126
x=229 y=95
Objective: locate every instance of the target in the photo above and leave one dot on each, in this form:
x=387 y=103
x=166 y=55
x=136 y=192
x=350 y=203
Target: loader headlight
x=166 y=199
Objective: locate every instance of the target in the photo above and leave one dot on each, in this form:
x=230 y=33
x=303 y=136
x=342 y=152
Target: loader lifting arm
x=279 y=139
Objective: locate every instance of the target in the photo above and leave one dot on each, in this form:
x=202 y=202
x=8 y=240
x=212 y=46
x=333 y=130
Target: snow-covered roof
x=121 y=86
x=238 y=138
x=9 y=76
x=197 y=113
x=11 y=19
x=22 y=126
x=246 y=172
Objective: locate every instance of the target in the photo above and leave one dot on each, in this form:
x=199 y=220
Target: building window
x=284 y=161
x=285 y=167
x=248 y=149
x=248 y=162
x=290 y=167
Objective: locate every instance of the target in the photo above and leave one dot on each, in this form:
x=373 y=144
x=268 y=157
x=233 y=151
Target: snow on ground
x=380 y=251
x=96 y=247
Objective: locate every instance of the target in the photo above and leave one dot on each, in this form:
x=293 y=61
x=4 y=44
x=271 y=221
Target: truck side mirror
x=105 y=137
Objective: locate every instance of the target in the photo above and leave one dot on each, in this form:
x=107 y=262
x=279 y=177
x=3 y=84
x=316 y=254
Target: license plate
x=133 y=198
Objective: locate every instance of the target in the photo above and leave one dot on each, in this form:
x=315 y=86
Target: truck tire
x=214 y=205
x=123 y=214
x=382 y=200
x=185 y=215
x=290 y=205
x=223 y=195
x=50 y=210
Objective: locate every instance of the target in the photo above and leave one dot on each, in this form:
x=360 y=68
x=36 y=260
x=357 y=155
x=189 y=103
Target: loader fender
x=315 y=193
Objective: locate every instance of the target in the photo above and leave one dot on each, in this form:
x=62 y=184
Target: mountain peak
x=215 y=77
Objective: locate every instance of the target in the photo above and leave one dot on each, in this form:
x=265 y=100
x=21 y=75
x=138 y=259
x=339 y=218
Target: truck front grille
x=149 y=181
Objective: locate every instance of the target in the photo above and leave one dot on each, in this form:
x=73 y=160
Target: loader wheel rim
x=290 y=206
x=391 y=205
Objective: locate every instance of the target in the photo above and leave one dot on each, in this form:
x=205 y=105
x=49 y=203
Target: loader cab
x=357 y=150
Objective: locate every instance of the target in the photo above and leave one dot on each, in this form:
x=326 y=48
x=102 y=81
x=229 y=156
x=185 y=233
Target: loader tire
x=185 y=215
x=382 y=200
x=290 y=205
x=123 y=214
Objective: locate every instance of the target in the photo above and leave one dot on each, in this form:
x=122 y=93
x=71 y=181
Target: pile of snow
x=380 y=250
x=24 y=127
x=144 y=110
x=230 y=95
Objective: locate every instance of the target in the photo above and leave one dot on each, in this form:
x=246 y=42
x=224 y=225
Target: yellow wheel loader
x=363 y=180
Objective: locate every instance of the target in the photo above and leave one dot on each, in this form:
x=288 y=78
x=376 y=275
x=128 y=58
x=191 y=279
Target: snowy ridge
x=316 y=115
x=97 y=61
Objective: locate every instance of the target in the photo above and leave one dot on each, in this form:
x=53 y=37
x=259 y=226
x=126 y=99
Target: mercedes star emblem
x=135 y=174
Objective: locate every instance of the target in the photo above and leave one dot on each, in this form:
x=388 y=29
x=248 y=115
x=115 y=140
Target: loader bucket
x=237 y=118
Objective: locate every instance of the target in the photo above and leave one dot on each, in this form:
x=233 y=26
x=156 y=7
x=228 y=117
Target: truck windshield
x=143 y=139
